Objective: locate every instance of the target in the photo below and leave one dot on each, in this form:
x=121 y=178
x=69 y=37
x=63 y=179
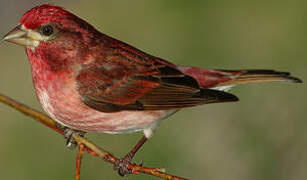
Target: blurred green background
x=261 y=137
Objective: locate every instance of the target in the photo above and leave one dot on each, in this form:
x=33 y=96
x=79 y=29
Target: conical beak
x=18 y=36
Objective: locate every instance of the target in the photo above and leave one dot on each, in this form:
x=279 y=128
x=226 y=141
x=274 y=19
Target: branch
x=78 y=161
x=89 y=146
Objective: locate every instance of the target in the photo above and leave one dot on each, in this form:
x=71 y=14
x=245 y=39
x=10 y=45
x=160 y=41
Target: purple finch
x=88 y=81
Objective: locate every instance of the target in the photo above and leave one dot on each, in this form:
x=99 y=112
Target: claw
x=141 y=163
x=70 y=141
x=121 y=166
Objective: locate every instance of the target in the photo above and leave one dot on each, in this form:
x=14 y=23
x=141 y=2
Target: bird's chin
x=32 y=48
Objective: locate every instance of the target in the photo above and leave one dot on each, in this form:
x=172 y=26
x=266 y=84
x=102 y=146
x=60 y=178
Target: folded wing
x=115 y=85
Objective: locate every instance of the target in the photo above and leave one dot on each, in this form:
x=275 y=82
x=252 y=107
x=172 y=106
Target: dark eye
x=47 y=30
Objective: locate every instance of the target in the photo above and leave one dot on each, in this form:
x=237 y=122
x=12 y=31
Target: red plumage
x=89 y=81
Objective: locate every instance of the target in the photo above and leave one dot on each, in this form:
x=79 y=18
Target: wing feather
x=111 y=85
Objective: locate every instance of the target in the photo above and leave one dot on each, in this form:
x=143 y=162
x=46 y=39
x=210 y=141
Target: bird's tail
x=253 y=76
x=217 y=78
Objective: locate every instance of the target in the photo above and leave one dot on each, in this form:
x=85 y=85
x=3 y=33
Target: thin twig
x=81 y=148
x=91 y=148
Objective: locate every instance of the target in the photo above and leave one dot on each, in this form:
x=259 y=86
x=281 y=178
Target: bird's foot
x=122 y=165
x=70 y=141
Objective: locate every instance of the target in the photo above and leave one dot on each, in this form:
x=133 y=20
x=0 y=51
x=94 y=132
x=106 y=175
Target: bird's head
x=46 y=24
x=54 y=36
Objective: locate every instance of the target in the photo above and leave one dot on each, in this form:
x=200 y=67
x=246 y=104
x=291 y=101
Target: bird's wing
x=116 y=84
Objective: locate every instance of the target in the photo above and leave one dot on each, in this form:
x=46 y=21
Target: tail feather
x=254 y=76
x=207 y=78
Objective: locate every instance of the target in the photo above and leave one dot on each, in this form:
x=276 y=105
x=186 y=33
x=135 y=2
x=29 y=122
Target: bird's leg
x=122 y=164
x=132 y=153
x=70 y=141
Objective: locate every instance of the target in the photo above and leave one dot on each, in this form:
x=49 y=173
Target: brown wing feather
x=114 y=85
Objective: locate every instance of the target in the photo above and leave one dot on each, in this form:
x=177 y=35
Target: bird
x=88 y=81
